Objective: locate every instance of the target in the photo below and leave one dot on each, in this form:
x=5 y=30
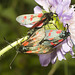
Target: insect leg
x=13 y=60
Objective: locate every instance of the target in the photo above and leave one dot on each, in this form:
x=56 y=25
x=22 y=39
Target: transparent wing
x=36 y=37
x=47 y=45
x=29 y=20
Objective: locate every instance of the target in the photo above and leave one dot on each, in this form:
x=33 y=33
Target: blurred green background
x=24 y=64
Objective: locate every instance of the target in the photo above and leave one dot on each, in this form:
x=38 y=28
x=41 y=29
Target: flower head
x=61 y=7
x=66 y=16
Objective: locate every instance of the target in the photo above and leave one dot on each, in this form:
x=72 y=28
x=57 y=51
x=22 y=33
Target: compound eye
x=51 y=13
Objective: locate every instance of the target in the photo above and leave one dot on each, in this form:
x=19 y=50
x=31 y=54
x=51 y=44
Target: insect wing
x=35 y=38
x=40 y=49
x=39 y=24
x=51 y=38
x=29 y=19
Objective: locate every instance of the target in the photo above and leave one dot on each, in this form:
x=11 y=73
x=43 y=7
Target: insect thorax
x=51 y=20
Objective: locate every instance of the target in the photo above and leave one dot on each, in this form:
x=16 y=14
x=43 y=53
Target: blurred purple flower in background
x=66 y=16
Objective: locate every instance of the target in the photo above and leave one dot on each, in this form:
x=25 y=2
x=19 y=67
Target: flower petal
x=72 y=53
x=44 y=59
x=63 y=52
x=72 y=27
x=54 y=60
x=54 y=3
x=37 y=9
x=66 y=3
x=67 y=15
x=66 y=47
x=58 y=1
x=53 y=57
x=43 y=3
x=59 y=10
x=60 y=55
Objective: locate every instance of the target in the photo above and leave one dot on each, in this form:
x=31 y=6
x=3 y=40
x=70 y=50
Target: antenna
x=8 y=42
x=14 y=56
x=13 y=60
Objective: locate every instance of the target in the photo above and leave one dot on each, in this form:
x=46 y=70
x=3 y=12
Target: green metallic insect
x=41 y=38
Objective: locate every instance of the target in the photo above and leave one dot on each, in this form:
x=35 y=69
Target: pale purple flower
x=66 y=15
x=61 y=7
x=72 y=26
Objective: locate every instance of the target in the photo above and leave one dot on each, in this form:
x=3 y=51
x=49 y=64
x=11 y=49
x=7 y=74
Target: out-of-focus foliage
x=24 y=64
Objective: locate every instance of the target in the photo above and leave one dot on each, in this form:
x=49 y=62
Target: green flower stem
x=7 y=48
x=54 y=68
x=65 y=68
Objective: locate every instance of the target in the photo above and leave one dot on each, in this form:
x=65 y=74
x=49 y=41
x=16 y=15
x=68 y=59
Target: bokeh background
x=24 y=64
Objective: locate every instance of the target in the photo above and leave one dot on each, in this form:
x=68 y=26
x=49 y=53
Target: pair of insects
x=41 y=38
